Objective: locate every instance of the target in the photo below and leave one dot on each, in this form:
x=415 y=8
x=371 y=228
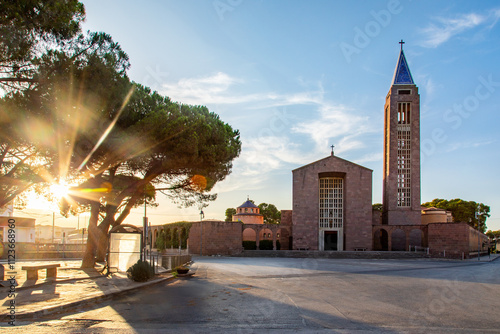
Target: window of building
x=404 y=155
x=331 y=206
x=404 y=113
x=404 y=91
x=246 y=210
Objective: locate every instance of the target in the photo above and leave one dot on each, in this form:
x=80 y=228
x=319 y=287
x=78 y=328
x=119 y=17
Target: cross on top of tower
x=402 y=75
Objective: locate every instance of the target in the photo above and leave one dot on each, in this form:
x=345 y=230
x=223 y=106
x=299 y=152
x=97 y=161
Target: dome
x=248 y=204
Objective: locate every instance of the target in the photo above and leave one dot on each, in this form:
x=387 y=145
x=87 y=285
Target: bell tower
x=401 y=186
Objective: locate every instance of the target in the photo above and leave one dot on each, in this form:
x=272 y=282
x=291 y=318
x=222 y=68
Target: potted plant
x=182 y=270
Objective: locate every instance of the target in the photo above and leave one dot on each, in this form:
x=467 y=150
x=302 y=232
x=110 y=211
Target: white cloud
x=334 y=122
x=219 y=89
x=444 y=29
x=277 y=144
x=371 y=157
x=462 y=145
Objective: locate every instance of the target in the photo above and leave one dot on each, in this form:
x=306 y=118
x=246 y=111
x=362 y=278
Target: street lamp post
x=476 y=213
x=202 y=215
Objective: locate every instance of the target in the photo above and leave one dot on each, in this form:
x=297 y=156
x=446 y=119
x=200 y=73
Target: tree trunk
x=89 y=256
x=102 y=242
x=109 y=220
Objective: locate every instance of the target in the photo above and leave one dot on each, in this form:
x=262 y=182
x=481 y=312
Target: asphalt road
x=277 y=295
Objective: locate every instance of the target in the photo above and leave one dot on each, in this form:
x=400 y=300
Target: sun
x=59 y=190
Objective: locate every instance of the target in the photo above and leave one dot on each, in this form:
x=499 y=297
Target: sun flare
x=59 y=190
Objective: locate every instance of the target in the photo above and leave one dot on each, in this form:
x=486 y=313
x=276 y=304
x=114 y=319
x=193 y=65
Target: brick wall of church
x=357 y=203
x=394 y=215
x=219 y=238
x=450 y=237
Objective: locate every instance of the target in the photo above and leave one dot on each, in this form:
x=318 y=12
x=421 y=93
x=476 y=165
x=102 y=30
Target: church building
x=332 y=206
x=332 y=197
x=332 y=200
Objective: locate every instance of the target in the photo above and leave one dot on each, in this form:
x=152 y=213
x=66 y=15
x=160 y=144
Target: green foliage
x=73 y=106
x=249 y=245
x=493 y=234
x=268 y=245
x=229 y=214
x=263 y=245
x=161 y=242
x=30 y=31
x=175 y=238
x=28 y=28
x=463 y=211
x=141 y=271
x=271 y=214
x=377 y=207
x=169 y=236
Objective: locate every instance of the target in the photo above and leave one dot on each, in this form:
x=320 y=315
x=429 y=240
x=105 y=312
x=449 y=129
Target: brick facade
x=357 y=203
x=219 y=238
x=392 y=214
x=286 y=217
x=454 y=240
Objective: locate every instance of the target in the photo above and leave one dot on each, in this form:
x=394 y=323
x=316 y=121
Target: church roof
x=331 y=157
x=248 y=204
x=402 y=74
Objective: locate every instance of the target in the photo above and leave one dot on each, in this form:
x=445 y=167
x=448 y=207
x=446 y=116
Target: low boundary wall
x=333 y=255
x=170 y=262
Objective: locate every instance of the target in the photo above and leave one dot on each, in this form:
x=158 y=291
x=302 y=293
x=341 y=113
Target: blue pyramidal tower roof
x=402 y=74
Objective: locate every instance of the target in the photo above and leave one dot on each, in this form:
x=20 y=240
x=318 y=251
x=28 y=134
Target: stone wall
x=376 y=217
x=219 y=238
x=449 y=240
x=286 y=217
x=452 y=239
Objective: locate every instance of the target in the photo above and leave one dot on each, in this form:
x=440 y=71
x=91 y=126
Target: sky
x=296 y=77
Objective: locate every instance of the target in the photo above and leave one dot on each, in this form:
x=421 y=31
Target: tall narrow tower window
x=404 y=154
x=331 y=214
x=404 y=113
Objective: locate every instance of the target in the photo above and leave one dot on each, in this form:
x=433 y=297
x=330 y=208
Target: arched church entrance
x=381 y=240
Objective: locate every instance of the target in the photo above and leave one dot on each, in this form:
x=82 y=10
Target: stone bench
x=32 y=271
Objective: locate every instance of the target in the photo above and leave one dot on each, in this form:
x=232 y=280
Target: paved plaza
x=276 y=295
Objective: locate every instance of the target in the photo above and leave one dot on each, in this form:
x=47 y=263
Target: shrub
x=161 y=242
x=266 y=245
x=249 y=245
x=263 y=245
x=141 y=271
